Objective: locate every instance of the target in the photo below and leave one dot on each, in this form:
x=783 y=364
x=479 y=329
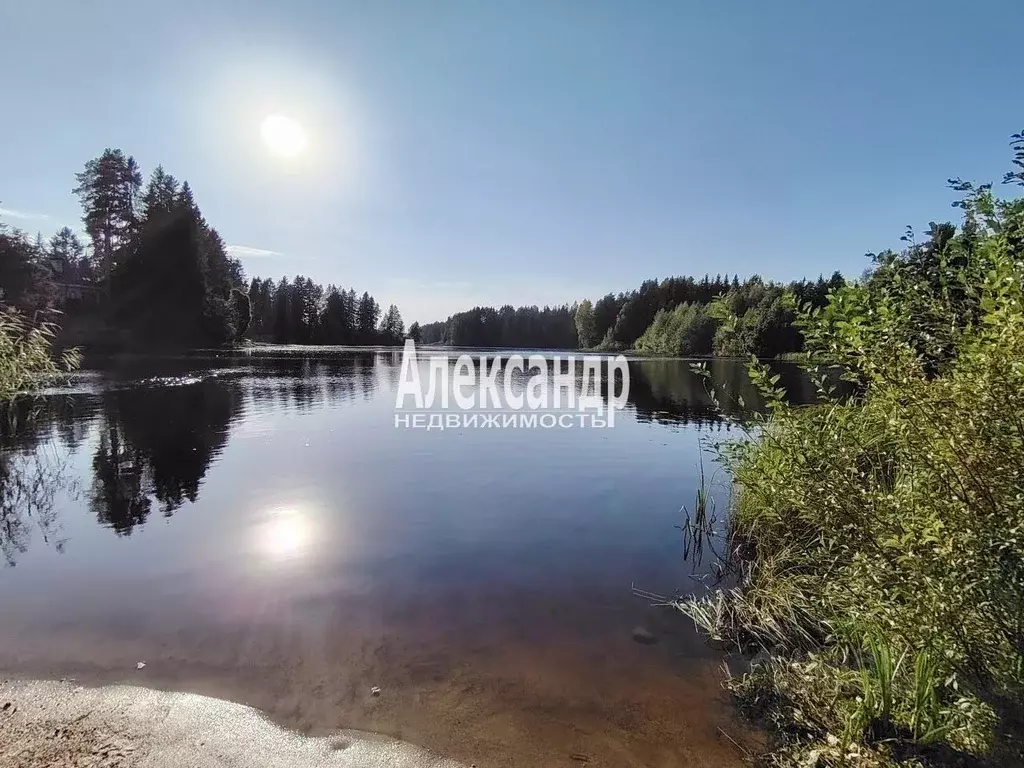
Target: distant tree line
x=153 y=268
x=304 y=312
x=550 y=327
x=670 y=317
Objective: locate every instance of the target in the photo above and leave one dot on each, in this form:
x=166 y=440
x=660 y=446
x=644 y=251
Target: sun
x=282 y=135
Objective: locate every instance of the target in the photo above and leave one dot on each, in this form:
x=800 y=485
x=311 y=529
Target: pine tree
x=160 y=196
x=66 y=249
x=108 y=189
x=367 y=314
x=392 y=328
x=282 y=316
x=65 y=245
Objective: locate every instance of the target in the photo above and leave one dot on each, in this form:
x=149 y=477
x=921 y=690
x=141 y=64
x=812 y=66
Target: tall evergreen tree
x=108 y=189
x=392 y=328
x=68 y=254
x=367 y=313
x=160 y=196
x=65 y=245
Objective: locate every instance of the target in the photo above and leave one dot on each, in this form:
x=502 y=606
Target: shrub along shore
x=877 y=540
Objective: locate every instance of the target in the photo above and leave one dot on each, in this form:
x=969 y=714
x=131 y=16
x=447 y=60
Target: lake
x=257 y=528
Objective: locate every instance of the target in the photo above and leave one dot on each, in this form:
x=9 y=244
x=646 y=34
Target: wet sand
x=566 y=684
x=61 y=725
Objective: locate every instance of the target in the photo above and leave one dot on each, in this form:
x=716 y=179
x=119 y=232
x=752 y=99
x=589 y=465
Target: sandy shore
x=65 y=725
x=493 y=679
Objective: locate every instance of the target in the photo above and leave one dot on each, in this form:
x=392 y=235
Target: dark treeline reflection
x=670 y=392
x=156 y=444
x=144 y=439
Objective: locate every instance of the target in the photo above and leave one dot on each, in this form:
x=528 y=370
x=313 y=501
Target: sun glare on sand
x=282 y=135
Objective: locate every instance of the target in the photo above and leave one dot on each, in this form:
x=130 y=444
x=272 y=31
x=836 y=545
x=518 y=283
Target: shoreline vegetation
x=27 y=362
x=877 y=539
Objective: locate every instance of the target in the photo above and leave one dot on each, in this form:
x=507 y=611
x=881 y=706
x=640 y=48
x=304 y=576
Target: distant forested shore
x=148 y=271
x=676 y=317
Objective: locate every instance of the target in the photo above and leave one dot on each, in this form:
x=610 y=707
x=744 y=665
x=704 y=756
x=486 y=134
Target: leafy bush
x=683 y=331
x=878 y=539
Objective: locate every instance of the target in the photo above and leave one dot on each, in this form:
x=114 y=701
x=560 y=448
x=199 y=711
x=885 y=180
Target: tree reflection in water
x=30 y=481
x=117 y=496
x=155 y=445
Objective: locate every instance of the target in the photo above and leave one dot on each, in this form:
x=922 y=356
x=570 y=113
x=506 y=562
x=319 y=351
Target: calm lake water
x=257 y=528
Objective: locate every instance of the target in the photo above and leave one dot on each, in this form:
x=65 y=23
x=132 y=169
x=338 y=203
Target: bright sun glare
x=286 y=535
x=282 y=135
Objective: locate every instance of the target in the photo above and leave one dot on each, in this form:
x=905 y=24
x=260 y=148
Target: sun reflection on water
x=286 y=535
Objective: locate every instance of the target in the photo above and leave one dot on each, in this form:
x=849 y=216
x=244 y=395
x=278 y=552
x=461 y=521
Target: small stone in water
x=140 y=665
x=643 y=635
x=375 y=691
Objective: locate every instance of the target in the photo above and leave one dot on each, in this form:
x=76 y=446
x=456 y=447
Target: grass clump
x=877 y=539
x=26 y=359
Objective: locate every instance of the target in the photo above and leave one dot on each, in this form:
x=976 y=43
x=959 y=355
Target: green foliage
x=878 y=539
x=241 y=312
x=684 y=331
x=26 y=360
x=764 y=313
x=585 y=324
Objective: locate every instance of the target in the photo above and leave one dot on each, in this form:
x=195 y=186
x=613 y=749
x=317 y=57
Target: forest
x=151 y=271
x=303 y=312
x=671 y=318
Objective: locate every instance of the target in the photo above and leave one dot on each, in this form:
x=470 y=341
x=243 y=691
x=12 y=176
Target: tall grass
x=26 y=357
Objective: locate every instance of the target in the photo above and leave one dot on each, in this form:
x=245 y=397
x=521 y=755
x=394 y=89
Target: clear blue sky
x=491 y=152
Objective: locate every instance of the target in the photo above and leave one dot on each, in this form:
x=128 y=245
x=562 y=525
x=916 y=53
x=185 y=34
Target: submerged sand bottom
x=65 y=725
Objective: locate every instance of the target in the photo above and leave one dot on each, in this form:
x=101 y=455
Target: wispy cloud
x=10 y=213
x=247 y=251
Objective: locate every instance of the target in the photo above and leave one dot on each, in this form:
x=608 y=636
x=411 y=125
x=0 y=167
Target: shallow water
x=257 y=528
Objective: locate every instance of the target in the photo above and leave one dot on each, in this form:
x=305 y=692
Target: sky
x=523 y=152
